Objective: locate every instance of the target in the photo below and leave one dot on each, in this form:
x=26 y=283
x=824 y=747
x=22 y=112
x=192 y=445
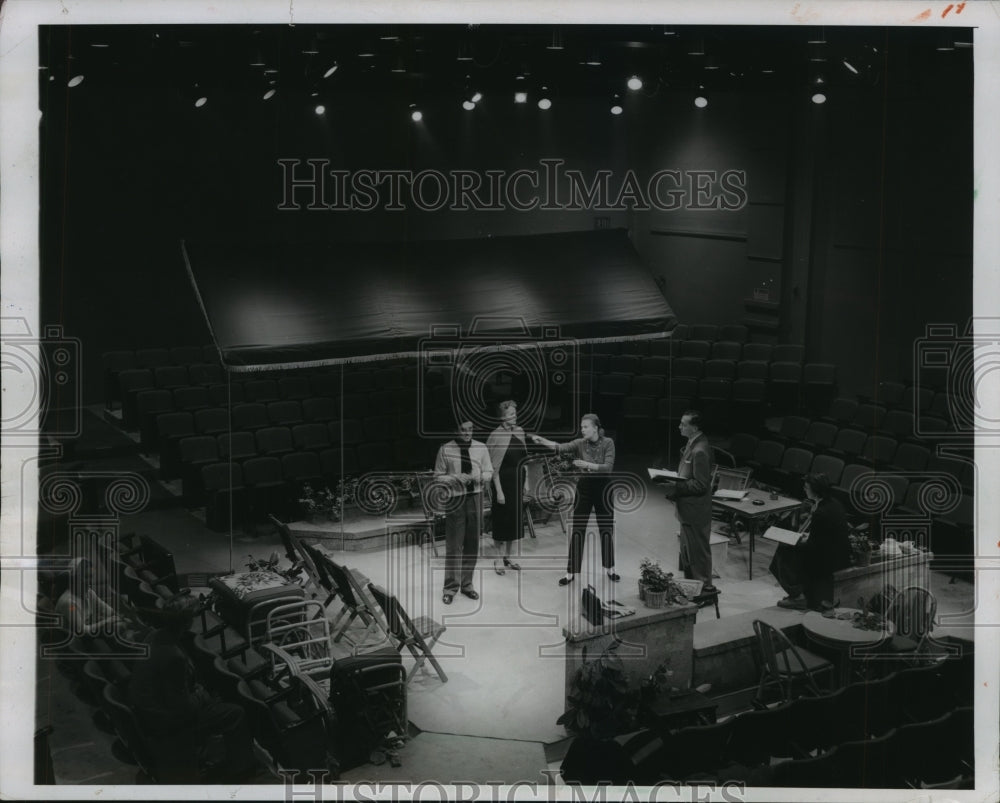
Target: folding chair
x=302 y=631
x=355 y=606
x=418 y=636
x=316 y=583
x=783 y=663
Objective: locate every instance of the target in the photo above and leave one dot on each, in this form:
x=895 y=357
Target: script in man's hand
x=662 y=474
x=789 y=537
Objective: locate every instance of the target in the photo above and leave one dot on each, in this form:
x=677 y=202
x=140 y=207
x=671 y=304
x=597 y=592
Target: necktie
x=466 y=463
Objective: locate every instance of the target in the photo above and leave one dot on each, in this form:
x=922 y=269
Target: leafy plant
x=655 y=579
x=601 y=704
x=860 y=542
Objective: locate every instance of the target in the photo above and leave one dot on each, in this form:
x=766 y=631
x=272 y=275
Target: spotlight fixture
x=520 y=97
x=701 y=101
x=711 y=64
x=544 y=104
x=557 y=41
x=76 y=80
x=819 y=90
x=200 y=102
x=269 y=94
x=468 y=105
x=635 y=83
x=321 y=109
x=416 y=115
x=477 y=97
x=332 y=69
x=850 y=66
x=616 y=110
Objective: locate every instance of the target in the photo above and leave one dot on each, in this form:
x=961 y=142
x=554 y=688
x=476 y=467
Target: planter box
x=646 y=640
x=866 y=581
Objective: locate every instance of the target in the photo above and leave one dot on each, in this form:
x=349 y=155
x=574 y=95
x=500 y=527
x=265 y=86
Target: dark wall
x=858 y=214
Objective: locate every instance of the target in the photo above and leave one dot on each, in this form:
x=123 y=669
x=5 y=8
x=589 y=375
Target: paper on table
x=729 y=493
x=789 y=537
x=663 y=473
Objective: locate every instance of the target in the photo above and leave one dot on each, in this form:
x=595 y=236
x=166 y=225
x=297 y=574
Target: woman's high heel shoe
x=511 y=565
x=498 y=569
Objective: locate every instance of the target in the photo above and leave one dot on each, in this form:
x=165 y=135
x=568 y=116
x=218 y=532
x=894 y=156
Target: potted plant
x=601 y=705
x=861 y=549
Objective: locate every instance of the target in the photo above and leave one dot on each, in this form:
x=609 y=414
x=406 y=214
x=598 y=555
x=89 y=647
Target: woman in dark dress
x=508 y=449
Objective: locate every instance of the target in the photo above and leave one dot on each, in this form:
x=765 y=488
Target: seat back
x=397 y=620
x=731 y=479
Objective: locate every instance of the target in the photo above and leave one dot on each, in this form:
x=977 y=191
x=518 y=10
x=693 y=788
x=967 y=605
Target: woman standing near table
x=507 y=448
x=594 y=455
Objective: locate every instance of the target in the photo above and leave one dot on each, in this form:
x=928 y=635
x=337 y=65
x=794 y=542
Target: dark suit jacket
x=694 y=490
x=828 y=548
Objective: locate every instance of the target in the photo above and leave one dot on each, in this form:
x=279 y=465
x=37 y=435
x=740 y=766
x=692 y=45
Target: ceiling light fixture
x=332 y=69
x=520 y=97
x=635 y=83
x=544 y=104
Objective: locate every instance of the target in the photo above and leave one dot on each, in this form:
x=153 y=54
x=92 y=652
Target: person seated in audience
x=84 y=613
x=805 y=571
x=176 y=711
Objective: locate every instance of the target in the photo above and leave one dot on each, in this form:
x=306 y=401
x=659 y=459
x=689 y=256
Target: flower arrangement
x=259 y=567
x=320 y=502
x=861 y=548
x=653 y=580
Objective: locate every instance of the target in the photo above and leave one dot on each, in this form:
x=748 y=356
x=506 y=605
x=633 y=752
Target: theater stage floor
x=496 y=716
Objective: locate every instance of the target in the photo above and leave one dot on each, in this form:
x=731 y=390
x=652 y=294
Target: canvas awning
x=301 y=305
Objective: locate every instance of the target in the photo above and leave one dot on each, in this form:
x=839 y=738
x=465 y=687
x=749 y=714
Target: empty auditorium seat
x=149 y=404
x=788 y=352
x=784 y=383
x=848 y=444
x=911 y=457
x=196 y=452
x=171 y=428
x=820 y=435
x=261 y=390
x=338 y=463
x=347 y=431
x=302 y=467
x=649 y=386
x=749 y=404
x=326 y=383
x=211 y=420
x=692 y=367
x=879 y=451
x=223 y=488
x=355 y=405
x=793 y=429
x=375 y=456
x=868 y=417
x=294 y=387
x=192 y=397
x=185 y=355
x=358 y=380
x=285 y=413
x=250 y=416
x=237 y=446
x=819 y=386
x=841 y=412
x=151 y=358
x=735 y=332
x=760 y=352
x=720 y=369
x=751 y=369
x=311 y=437
x=266 y=489
x=170 y=376
x=379 y=428
x=321 y=409
x=742 y=447
x=273 y=441
x=204 y=373
x=899 y=424
x=700 y=349
x=130 y=383
x=388 y=378
x=727 y=350
x=624 y=364
x=226 y=394
x=704 y=331
x=114 y=363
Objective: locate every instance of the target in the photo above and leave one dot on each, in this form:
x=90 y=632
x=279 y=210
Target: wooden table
x=841 y=635
x=755 y=514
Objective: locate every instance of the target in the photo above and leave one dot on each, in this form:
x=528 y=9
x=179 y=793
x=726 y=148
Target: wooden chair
x=356 y=606
x=783 y=664
x=417 y=635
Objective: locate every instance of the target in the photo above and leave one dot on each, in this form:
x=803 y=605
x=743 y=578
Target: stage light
x=635 y=83
x=477 y=97
x=321 y=109
x=616 y=110
x=331 y=70
x=520 y=97
x=818 y=97
x=269 y=94
x=819 y=89
x=850 y=66
x=701 y=101
x=544 y=104
x=416 y=115
x=76 y=80
x=468 y=105
x=200 y=102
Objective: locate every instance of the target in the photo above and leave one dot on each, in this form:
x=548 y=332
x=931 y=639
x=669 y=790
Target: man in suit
x=692 y=494
x=464 y=464
x=805 y=571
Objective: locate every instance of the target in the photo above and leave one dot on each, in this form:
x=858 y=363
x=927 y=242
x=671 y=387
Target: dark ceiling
x=406 y=62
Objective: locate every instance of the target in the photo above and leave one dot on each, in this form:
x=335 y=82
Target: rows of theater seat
x=288 y=726
x=913 y=726
x=912 y=479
